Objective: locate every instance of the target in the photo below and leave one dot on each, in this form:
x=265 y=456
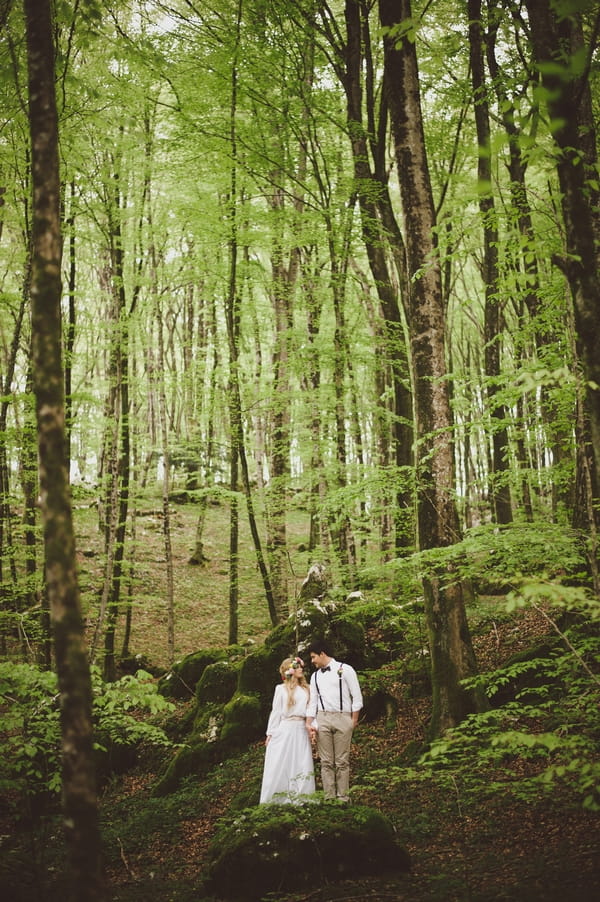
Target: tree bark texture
x=79 y=786
x=452 y=656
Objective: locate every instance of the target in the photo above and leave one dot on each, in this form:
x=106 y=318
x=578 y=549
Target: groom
x=332 y=713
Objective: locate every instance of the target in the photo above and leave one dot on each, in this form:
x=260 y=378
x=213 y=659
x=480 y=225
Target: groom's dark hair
x=320 y=646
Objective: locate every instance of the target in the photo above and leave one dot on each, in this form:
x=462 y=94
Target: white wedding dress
x=289 y=768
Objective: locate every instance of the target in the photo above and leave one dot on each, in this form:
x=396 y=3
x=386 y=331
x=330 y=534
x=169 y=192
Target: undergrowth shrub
x=30 y=723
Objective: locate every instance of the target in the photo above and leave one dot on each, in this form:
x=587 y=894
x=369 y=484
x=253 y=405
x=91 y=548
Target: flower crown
x=297 y=664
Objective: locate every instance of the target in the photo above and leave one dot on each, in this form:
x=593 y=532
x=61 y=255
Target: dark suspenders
x=319 y=691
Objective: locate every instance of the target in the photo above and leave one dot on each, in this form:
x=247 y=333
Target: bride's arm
x=276 y=711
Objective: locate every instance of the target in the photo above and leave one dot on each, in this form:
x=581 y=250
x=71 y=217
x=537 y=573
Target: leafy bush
x=30 y=729
x=30 y=722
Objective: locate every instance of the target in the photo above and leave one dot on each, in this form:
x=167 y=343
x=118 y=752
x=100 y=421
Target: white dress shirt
x=325 y=690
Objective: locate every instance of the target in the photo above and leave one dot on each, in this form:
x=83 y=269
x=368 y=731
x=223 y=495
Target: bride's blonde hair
x=292 y=674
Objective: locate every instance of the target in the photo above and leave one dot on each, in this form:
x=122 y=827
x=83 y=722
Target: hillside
x=462 y=847
x=479 y=828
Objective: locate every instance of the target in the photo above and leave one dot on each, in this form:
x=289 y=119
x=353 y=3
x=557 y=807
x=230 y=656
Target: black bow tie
x=325 y=669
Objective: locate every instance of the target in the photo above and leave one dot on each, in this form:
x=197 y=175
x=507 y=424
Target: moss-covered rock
x=194 y=759
x=287 y=847
x=259 y=672
x=282 y=638
x=314 y=618
x=529 y=671
x=348 y=637
x=181 y=680
x=219 y=731
x=201 y=752
x=242 y=722
x=217 y=683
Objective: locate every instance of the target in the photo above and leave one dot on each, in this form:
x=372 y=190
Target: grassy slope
x=201 y=593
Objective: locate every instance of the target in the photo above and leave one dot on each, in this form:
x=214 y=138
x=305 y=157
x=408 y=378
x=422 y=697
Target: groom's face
x=318 y=660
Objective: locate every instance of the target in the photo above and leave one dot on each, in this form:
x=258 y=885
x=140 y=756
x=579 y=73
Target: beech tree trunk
x=119 y=477
x=79 y=784
x=452 y=655
x=284 y=277
x=499 y=484
x=381 y=236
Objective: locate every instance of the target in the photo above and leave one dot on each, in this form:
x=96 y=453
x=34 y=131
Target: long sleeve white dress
x=289 y=769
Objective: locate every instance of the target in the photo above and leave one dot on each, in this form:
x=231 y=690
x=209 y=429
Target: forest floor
x=505 y=849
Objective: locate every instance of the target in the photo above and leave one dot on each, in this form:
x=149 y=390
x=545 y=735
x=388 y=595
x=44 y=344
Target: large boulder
x=259 y=672
x=217 y=683
x=285 y=848
x=181 y=680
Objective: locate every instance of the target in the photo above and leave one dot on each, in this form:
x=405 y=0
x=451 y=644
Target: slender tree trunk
x=452 y=656
x=31 y=489
x=212 y=354
x=380 y=232
x=108 y=501
x=499 y=482
x=79 y=784
x=318 y=533
x=69 y=338
x=121 y=473
x=276 y=494
x=161 y=390
x=166 y=518
x=7 y=549
x=232 y=314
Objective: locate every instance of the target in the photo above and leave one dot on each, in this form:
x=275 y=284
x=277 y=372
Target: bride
x=289 y=770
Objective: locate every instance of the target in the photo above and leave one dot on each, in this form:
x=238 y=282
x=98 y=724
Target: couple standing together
x=326 y=711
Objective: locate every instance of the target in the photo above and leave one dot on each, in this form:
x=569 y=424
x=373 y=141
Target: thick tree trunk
x=79 y=785
x=452 y=656
x=557 y=39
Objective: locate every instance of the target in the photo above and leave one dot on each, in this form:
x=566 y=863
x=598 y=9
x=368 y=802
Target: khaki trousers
x=334 y=737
